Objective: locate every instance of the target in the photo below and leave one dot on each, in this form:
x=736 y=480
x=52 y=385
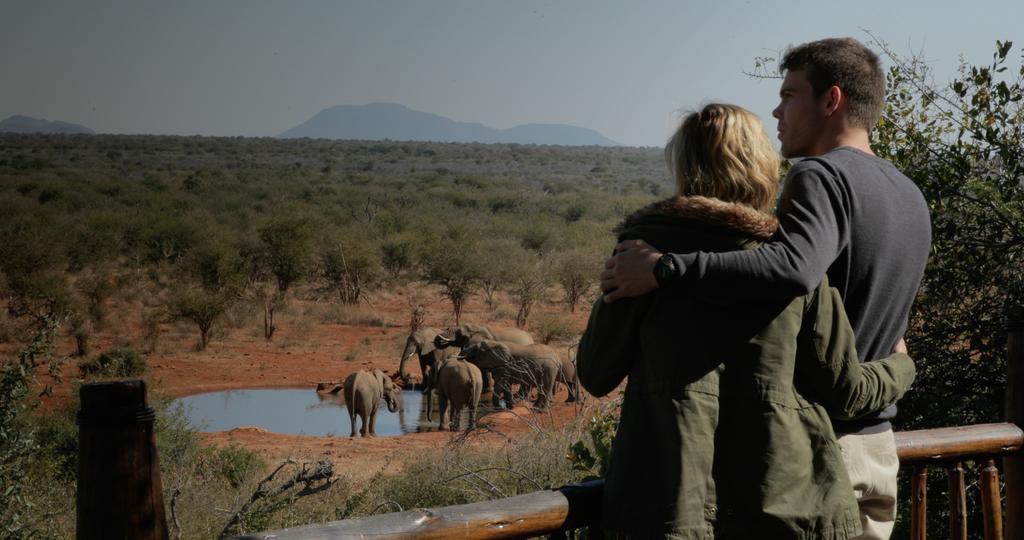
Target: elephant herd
x=496 y=357
x=490 y=359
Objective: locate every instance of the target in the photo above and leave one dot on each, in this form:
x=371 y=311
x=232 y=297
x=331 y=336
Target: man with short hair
x=843 y=212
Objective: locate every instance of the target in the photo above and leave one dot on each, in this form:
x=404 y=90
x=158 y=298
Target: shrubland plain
x=204 y=264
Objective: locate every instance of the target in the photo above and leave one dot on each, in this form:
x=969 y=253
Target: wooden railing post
x=919 y=504
x=957 y=502
x=1013 y=465
x=119 y=491
x=991 y=504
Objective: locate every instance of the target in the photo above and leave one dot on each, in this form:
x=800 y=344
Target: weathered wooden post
x=119 y=491
x=1013 y=465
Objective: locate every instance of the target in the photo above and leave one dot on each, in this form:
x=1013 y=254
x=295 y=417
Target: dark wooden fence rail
x=118 y=463
x=950 y=447
x=574 y=506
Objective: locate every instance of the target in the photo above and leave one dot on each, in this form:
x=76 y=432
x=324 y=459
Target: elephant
x=461 y=336
x=529 y=365
x=458 y=384
x=420 y=343
x=363 y=392
x=467 y=334
x=567 y=376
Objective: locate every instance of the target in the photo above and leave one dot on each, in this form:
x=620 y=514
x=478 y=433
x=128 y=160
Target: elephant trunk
x=410 y=349
x=430 y=405
x=394 y=403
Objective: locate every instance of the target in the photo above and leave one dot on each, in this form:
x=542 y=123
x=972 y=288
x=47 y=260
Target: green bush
x=591 y=457
x=549 y=328
x=232 y=463
x=203 y=308
x=117 y=362
x=57 y=436
x=18 y=443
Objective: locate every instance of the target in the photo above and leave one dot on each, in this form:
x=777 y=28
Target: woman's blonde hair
x=723 y=152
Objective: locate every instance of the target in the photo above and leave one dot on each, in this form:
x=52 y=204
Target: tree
x=576 y=271
x=963 y=144
x=168 y=238
x=456 y=272
x=285 y=253
x=528 y=283
x=495 y=270
x=397 y=254
x=33 y=264
x=349 y=264
x=288 y=249
x=259 y=285
x=202 y=308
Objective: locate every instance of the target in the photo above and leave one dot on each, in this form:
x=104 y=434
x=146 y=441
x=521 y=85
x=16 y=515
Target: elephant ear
x=425 y=341
x=491 y=355
x=382 y=379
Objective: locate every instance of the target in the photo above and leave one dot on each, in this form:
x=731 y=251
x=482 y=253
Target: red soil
x=303 y=352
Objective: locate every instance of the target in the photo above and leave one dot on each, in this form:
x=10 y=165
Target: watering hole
x=303 y=412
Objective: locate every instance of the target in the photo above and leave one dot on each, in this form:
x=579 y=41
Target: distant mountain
x=27 y=124
x=378 y=121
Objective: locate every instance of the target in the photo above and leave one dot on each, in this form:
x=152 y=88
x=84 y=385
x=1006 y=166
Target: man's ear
x=834 y=96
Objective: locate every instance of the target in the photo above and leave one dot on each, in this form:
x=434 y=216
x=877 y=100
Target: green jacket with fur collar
x=725 y=429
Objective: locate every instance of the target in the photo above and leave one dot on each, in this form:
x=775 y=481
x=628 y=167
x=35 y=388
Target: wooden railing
x=544 y=512
x=578 y=505
x=950 y=447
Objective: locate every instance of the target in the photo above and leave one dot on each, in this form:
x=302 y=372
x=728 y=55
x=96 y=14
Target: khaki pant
x=872 y=465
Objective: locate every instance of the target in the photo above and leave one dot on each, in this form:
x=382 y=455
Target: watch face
x=664 y=269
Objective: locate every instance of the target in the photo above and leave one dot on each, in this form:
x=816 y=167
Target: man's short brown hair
x=848 y=64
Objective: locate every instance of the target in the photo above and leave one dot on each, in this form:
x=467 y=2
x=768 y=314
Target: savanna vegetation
x=141 y=232
x=191 y=229
x=963 y=144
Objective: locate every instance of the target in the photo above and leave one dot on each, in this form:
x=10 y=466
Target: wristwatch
x=665 y=270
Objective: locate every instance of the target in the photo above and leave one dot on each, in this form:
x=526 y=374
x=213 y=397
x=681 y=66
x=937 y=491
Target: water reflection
x=303 y=412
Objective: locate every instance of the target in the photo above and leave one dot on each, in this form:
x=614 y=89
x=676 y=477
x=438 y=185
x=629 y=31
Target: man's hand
x=630 y=272
x=901 y=347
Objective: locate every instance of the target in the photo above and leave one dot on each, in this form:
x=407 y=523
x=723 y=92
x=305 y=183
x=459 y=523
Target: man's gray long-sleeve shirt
x=852 y=216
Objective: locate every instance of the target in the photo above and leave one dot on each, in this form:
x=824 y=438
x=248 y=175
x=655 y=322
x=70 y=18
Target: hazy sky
x=626 y=69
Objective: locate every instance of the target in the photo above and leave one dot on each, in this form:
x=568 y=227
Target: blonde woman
x=725 y=428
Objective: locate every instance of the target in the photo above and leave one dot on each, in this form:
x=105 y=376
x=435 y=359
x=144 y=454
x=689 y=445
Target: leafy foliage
x=575 y=272
x=528 y=284
x=551 y=327
x=117 y=363
x=592 y=459
x=963 y=144
x=201 y=308
x=17 y=437
x=350 y=265
x=456 y=270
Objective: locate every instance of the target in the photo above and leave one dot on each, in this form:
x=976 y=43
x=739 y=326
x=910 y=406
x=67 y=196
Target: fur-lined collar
x=708 y=211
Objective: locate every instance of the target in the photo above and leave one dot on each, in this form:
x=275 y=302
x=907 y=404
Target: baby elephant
x=458 y=384
x=363 y=392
